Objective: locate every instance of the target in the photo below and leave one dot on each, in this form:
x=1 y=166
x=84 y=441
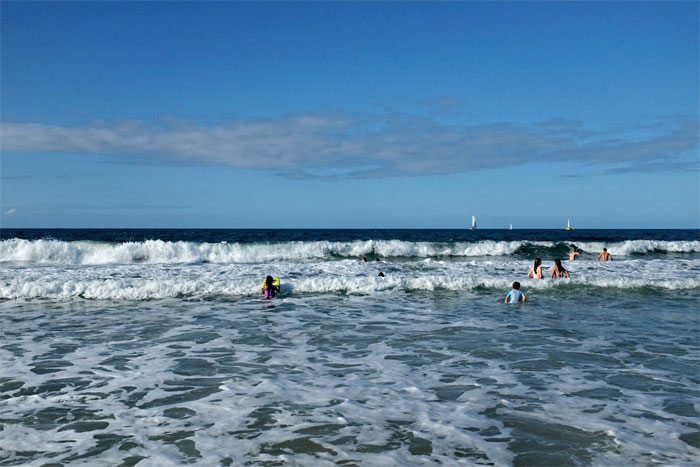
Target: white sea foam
x=166 y=351
x=366 y=381
x=157 y=281
x=164 y=252
x=631 y=247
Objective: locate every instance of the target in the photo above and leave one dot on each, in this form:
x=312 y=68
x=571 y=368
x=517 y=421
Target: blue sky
x=349 y=115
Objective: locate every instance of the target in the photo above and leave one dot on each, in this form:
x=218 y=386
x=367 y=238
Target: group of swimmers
x=558 y=270
x=269 y=288
x=535 y=272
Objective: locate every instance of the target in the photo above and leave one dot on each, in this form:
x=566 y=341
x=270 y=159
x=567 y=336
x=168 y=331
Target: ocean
x=155 y=347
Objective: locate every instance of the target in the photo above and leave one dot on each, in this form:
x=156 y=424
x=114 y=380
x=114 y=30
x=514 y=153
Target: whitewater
x=156 y=269
x=155 y=347
x=158 y=251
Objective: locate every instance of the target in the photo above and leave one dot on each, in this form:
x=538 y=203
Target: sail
x=473 y=222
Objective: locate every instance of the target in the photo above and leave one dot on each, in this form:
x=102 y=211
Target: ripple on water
x=370 y=381
x=537 y=442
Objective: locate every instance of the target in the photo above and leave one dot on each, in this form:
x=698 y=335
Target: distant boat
x=473 y=223
x=568 y=225
x=511 y=227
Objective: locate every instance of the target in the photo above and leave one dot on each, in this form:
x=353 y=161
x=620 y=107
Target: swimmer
x=269 y=288
x=536 y=270
x=605 y=256
x=558 y=270
x=364 y=260
x=381 y=274
x=515 y=295
x=573 y=254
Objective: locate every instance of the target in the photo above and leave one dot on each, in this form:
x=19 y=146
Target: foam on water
x=156 y=281
x=158 y=251
x=157 y=352
x=387 y=381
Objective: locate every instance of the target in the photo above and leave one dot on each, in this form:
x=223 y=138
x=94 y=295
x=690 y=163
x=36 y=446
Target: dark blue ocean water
x=347 y=235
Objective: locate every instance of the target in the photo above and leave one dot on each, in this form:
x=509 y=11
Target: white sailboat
x=511 y=227
x=473 y=223
x=568 y=225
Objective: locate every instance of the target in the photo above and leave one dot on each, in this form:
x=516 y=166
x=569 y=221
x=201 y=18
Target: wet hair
x=605 y=249
x=269 y=280
x=381 y=274
x=557 y=263
x=516 y=285
x=538 y=262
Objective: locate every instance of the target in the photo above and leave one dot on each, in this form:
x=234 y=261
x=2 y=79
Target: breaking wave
x=134 y=289
x=164 y=252
x=154 y=282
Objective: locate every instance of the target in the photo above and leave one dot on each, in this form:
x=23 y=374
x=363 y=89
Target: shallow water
x=405 y=379
x=169 y=362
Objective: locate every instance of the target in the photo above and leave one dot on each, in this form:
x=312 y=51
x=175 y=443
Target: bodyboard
x=275 y=282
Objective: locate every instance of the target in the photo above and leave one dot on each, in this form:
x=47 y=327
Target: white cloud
x=9 y=212
x=378 y=145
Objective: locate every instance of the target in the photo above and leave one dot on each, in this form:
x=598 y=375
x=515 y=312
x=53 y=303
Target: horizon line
x=348 y=228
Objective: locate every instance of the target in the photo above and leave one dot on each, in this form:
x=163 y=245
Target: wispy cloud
x=19 y=177
x=444 y=105
x=338 y=144
x=115 y=207
x=9 y=212
x=656 y=166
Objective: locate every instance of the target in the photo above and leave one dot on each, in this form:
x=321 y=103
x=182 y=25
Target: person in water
x=536 y=270
x=515 y=295
x=605 y=256
x=558 y=270
x=269 y=288
x=573 y=254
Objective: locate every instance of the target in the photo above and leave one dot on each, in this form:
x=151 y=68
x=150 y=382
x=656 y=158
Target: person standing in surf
x=269 y=288
x=558 y=270
x=573 y=254
x=605 y=256
x=536 y=270
x=515 y=295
